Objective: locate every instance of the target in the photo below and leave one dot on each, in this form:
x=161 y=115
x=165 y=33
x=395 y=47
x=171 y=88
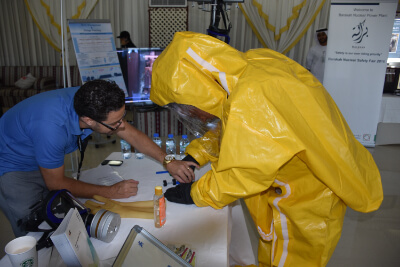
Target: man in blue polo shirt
x=37 y=133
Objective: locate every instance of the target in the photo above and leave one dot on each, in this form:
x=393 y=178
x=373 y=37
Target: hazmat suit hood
x=272 y=110
x=203 y=72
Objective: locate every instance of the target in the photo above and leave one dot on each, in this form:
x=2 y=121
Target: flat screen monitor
x=210 y=1
x=137 y=65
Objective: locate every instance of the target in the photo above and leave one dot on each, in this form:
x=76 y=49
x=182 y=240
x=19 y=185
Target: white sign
x=95 y=51
x=355 y=65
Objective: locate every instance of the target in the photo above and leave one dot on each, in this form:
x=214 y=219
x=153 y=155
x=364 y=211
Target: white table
x=206 y=230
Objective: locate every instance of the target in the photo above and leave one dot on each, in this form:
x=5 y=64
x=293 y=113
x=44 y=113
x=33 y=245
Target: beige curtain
x=22 y=44
x=279 y=25
x=47 y=16
x=241 y=34
x=243 y=37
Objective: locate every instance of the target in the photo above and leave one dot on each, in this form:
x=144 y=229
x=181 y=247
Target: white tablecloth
x=206 y=230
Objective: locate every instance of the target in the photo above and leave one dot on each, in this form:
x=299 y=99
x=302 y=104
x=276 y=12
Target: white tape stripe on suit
x=267 y=237
x=209 y=67
x=285 y=233
x=224 y=82
x=273 y=247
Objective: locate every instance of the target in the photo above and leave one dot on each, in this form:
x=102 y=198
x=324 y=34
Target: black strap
x=82 y=147
x=45 y=241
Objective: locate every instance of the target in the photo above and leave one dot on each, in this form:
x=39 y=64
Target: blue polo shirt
x=40 y=131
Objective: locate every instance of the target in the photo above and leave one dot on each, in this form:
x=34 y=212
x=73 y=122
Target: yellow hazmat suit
x=283 y=146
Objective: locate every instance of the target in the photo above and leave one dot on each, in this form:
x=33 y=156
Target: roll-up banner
x=95 y=51
x=355 y=64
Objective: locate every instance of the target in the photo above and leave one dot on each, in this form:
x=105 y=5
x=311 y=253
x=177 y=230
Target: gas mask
x=103 y=225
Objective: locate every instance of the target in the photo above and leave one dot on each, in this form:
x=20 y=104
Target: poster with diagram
x=95 y=51
x=394 y=51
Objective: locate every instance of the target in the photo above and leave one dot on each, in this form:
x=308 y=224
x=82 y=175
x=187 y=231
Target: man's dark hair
x=95 y=99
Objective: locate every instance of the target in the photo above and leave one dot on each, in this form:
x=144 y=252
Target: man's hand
x=124 y=189
x=182 y=171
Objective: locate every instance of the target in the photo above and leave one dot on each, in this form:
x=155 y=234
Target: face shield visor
x=197 y=121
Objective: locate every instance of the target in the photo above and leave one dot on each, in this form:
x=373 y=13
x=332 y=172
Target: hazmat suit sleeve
x=205 y=148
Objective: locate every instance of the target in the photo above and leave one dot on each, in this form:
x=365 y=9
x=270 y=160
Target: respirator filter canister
x=105 y=225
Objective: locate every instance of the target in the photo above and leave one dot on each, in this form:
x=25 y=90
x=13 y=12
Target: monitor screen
x=136 y=65
x=224 y=1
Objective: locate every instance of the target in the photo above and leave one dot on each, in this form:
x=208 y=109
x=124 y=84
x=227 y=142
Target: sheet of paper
x=102 y=175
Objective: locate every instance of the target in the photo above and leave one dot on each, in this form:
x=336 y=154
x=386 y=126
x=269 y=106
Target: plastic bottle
x=182 y=145
x=126 y=149
x=159 y=208
x=157 y=139
x=138 y=154
x=170 y=145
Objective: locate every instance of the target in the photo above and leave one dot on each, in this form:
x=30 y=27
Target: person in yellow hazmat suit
x=274 y=137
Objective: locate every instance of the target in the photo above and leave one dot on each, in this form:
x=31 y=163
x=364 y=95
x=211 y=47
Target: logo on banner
x=366 y=137
x=360 y=32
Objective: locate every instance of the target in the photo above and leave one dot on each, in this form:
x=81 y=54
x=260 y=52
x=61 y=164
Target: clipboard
x=142 y=249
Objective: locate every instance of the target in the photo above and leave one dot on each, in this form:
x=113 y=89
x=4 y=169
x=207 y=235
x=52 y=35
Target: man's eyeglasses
x=117 y=124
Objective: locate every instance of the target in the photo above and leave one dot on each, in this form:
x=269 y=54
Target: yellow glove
x=138 y=209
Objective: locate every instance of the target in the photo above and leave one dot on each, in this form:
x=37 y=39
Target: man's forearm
x=82 y=189
x=56 y=180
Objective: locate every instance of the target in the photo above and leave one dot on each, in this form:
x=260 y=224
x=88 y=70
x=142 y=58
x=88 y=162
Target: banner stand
x=355 y=64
